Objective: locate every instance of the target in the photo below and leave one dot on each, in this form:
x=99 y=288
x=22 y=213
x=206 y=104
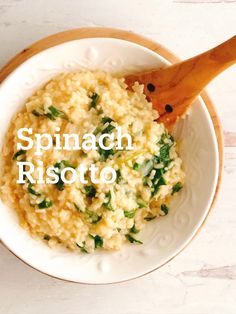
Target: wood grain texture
x=177 y=86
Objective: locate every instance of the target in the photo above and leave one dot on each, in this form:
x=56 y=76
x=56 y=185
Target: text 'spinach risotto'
x=87 y=217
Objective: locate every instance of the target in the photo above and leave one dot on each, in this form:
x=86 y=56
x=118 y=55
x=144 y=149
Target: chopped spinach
x=36 y=113
x=130 y=214
x=149 y=218
x=164 y=152
x=106 y=119
x=94 y=101
x=52 y=114
x=67 y=163
x=60 y=185
x=164 y=156
x=45 y=204
x=145 y=180
x=118 y=176
x=177 y=187
x=158 y=174
x=107 y=203
x=46 y=237
x=156 y=186
x=134 y=230
x=164 y=137
x=98 y=241
x=165 y=209
x=105 y=153
x=132 y=239
x=90 y=191
x=141 y=203
x=147 y=167
x=93 y=217
x=110 y=127
x=32 y=191
x=77 y=207
x=18 y=153
x=97 y=130
x=55 y=113
x=136 y=166
x=82 y=248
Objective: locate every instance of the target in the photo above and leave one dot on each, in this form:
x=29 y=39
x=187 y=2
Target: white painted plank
x=202 y=279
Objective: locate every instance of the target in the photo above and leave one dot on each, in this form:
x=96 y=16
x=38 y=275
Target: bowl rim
x=81 y=33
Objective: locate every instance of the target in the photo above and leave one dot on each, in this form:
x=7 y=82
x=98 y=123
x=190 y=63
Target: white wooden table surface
x=202 y=279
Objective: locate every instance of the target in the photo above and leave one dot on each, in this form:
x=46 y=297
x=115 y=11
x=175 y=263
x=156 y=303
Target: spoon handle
x=178 y=85
x=201 y=69
x=187 y=79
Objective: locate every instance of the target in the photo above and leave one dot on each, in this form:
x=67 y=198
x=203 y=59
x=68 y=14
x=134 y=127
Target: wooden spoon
x=173 y=89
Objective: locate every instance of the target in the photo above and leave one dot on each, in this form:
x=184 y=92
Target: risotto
x=86 y=217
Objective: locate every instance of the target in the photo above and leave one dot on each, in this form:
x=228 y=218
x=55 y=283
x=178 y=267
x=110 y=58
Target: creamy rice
x=93 y=216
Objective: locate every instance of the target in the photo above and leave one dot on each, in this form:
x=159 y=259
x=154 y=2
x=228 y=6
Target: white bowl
x=163 y=238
